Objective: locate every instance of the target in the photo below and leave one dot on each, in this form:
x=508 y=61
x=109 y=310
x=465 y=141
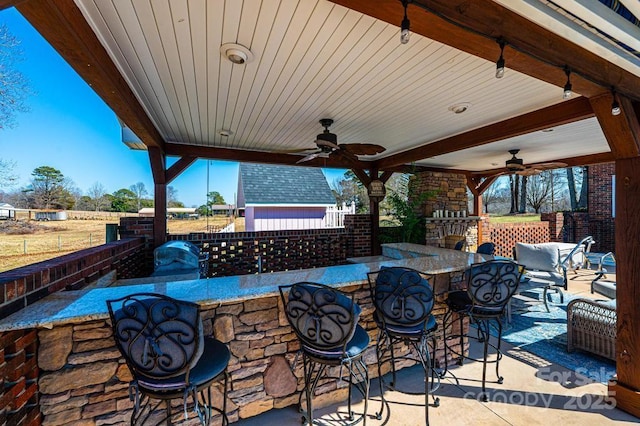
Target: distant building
x=283 y=197
x=172 y=212
x=223 y=209
x=7 y=211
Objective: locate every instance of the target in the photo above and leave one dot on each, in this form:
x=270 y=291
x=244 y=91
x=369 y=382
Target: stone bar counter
x=82 y=379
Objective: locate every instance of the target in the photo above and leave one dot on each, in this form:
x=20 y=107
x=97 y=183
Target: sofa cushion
x=542 y=257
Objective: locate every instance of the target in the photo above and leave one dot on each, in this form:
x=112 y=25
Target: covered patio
x=249 y=81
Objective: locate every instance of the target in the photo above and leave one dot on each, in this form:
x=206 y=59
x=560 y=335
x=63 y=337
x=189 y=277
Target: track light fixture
x=567 y=87
x=500 y=61
x=404 y=28
x=615 y=106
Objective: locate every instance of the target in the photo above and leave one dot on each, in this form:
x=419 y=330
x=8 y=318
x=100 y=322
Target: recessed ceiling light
x=236 y=53
x=460 y=107
x=225 y=132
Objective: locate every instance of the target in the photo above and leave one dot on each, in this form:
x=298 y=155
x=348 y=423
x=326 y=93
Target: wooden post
x=626 y=390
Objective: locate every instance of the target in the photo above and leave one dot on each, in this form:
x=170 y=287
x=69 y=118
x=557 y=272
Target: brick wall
x=19 y=379
x=556 y=223
x=358 y=229
x=241 y=253
x=601 y=221
x=24 y=286
x=85 y=381
x=506 y=235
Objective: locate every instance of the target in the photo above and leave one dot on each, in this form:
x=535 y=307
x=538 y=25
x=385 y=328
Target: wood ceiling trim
x=621 y=131
x=246 y=156
x=563 y=113
x=62 y=24
x=546 y=52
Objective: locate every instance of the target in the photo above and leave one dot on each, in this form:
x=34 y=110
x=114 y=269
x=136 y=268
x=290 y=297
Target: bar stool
x=490 y=286
x=161 y=340
x=325 y=320
x=403 y=301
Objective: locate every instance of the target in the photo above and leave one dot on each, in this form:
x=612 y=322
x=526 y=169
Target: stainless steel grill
x=179 y=258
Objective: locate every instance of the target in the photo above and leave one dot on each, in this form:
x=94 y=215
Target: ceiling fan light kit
x=514 y=164
x=327 y=144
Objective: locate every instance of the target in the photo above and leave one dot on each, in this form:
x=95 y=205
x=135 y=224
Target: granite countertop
x=87 y=305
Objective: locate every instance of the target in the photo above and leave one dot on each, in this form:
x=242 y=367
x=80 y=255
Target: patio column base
x=625 y=398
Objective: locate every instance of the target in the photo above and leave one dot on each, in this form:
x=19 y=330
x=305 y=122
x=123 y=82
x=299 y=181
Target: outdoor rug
x=544 y=334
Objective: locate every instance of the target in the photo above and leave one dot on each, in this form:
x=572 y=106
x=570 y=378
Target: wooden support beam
x=627 y=228
x=159 y=214
x=555 y=115
x=622 y=131
x=157 y=159
x=245 y=156
x=385 y=176
x=62 y=24
x=473 y=26
x=178 y=167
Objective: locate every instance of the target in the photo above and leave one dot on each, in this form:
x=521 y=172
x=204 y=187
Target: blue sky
x=70 y=128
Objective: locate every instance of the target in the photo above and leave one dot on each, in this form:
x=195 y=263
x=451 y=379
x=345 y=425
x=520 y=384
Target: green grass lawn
x=527 y=217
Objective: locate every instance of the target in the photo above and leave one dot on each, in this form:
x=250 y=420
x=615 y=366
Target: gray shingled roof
x=271 y=184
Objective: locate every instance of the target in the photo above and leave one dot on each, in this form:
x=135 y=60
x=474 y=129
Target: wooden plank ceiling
x=314 y=59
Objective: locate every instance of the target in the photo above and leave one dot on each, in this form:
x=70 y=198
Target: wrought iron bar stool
x=162 y=343
x=325 y=320
x=403 y=301
x=490 y=286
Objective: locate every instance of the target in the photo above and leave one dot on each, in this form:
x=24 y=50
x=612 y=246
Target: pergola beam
x=622 y=131
x=554 y=115
x=62 y=24
x=229 y=154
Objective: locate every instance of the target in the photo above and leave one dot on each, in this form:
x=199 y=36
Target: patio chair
x=486 y=248
x=490 y=286
x=325 y=320
x=602 y=283
x=548 y=263
x=403 y=301
x=162 y=343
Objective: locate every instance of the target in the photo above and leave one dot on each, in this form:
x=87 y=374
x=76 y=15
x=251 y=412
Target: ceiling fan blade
x=549 y=165
x=308 y=157
x=362 y=148
x=529 y=171
x=322 y=143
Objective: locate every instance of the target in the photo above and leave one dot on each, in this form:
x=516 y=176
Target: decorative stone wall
x=84 y=380
x=450 y=191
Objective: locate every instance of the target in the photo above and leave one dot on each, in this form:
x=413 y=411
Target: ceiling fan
x=327 y=144
x=517 y=166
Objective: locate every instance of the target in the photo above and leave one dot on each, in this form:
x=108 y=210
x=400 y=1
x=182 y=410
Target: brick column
x=358 y=229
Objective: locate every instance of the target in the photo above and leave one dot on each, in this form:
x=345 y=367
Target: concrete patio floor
x=534 y=392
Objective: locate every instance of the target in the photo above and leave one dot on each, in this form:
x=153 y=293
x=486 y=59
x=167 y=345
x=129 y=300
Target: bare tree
x=140 y=192
x=539 y=190
x=8 y=177
x=577 y=176
x=14 y=86
x=494 y=194
x=97 y=194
